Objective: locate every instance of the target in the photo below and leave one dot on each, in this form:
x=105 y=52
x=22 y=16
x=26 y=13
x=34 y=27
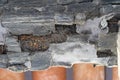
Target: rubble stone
x=12 y=45
x=106 y=9
x=105 y=42
x=3 y=2
x=3 y=61
x=72 y=27
x=31 y=3
x=64 y=1
x=64 y=19
x=18 y=58
x=41 y=60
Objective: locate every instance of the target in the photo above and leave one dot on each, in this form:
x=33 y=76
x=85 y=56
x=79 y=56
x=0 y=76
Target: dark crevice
x=2 y=49
x=19 y=64
x=94 y=65
x=67 y=29
x=113 y=24
x=115 y=3
x=105 y=53
x=93 y=41
x=74 y=2
x=86 y=32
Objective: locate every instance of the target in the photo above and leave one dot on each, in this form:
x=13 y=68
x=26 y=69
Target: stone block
x=106 y=9
x=17 y=58
x=26 y=22
x=12 y=45
x=31 y=3
x=3 y=2
x=64 y=1
x=108 y=42
x=80 y=18
x=3 y=61
x=64 y=19
x=55 y=9
x=81 y=7
x=43 y=30
x=116 y=8
x=41 y=60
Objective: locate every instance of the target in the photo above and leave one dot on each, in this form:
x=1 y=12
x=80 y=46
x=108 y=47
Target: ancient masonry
x=37 y=34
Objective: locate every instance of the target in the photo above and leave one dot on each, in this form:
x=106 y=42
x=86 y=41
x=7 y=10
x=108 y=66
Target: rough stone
x=80 y=18
x=12 y=45
x=89 y=33
x=64 y=19
x=108 y=42
x=116 y=8
x=97 y=2
x=31 y=3
x=3 y=61
x=3 y=2
x=17 y=58
x=55 y=9
x=26 y=23
x=17 y=61
x=18 y=29
x=81 y=7
x=106 y=9
x=43 y=30
x=72 y=51
x=41 y=60
x=64 y=1
x=17 y=68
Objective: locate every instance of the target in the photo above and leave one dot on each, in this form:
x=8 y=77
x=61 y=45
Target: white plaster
x=3 y=32
x=72 y=51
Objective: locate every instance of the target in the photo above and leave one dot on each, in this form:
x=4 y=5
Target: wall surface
x=36 y=34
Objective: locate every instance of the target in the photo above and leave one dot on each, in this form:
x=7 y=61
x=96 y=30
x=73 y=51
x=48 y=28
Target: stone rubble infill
x=37 y=3
x=23 y=64
x=74 y=51
x=28 y=20
x=3 y=61
x=40 y=17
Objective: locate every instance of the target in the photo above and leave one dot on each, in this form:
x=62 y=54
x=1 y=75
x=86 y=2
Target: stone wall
x=70 y=31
